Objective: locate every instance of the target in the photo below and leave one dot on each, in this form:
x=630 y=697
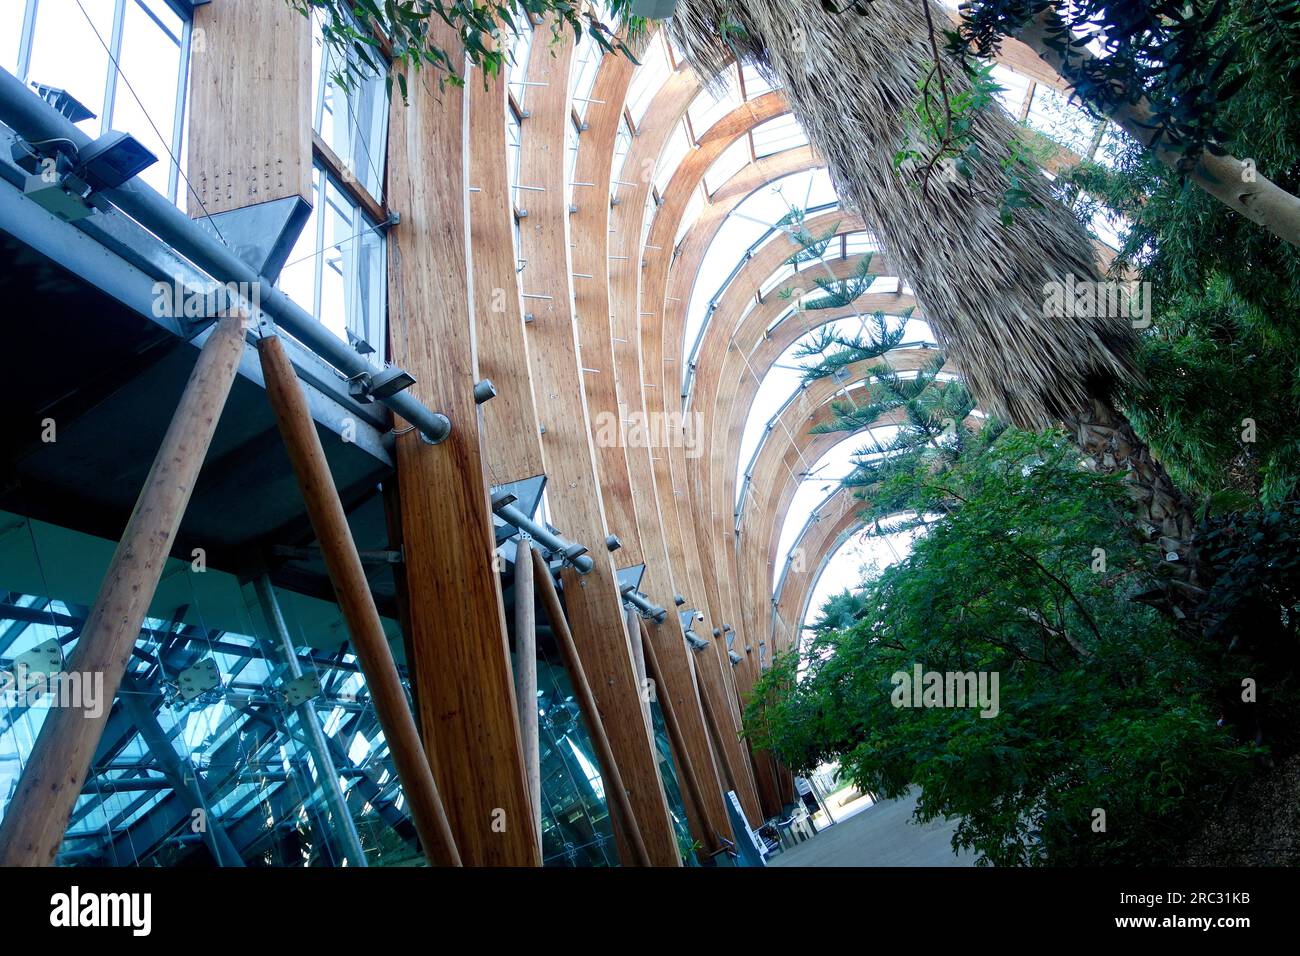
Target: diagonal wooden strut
x=38 y=814
x=330 y=523
x=596 y=726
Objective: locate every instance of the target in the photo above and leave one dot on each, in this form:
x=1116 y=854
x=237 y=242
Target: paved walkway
x=881 y=835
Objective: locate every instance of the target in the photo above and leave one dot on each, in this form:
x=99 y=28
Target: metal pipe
x=575 y=554
x=35 y=120
x=279 y=646
x=639 y=601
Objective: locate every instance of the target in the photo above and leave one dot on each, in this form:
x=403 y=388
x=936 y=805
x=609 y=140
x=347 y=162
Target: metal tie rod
x=503 y=506
x=36 y=121
x=632 y=596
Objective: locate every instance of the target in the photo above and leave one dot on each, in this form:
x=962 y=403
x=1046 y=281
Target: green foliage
x=931 y=427
x=832 y=350
x=1254 y=605
x=810 y=247
x=1212 y=368
x=1173 y=52
x=1100 y=704
x=838 y=293
x=1224 y=344
x=483 y=29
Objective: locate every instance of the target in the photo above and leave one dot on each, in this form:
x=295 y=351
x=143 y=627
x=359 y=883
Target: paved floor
x=881 y=835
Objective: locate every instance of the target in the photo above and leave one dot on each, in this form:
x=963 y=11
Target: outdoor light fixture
x=697 y=643
x=61 y=178
x=385 y=383
x=113 y=159
x=735 y=658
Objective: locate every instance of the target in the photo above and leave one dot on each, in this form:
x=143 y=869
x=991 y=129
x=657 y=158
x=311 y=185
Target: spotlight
x=113 y=159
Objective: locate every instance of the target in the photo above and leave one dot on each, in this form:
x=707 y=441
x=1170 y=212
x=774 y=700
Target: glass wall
x=208 y=749
x=123 y=60
x=352 y=122
x=204 y=751
x=338 y=267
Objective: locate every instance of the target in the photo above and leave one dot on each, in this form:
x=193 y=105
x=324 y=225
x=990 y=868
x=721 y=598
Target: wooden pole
x=352 y=590
x=638 y=659
x=668 y=709
x=609 y=769
x=38 y=814
x=526 y=672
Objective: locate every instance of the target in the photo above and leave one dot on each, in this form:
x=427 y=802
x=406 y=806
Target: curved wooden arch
x=836 y=517
x=712 y=516
x=637 y=376
x=514 y=449
x=591 y=231
x=776 y=479
x=778 y=463
x=574 y=494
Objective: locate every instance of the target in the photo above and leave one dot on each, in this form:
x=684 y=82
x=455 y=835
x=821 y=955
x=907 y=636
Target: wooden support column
x=526 y=672
x=462 y=657
x=352 y=590
x=38 y=814
x=614 y=788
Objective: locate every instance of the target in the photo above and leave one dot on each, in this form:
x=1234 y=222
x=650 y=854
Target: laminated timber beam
x=590 y=225
x=250 y=136
x=713 y=486
x=461 y=669
x=661 y=337
x=574 y=494
x=38 y=813
x=661 y=366
x=786 y=452
x=640 y=379
x=513 y=447
x=590 y=228
x=677 y=685
x=839 y=516
x=713 y=510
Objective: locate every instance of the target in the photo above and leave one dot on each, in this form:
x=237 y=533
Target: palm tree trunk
x=1164 y=517
x=982 y=285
